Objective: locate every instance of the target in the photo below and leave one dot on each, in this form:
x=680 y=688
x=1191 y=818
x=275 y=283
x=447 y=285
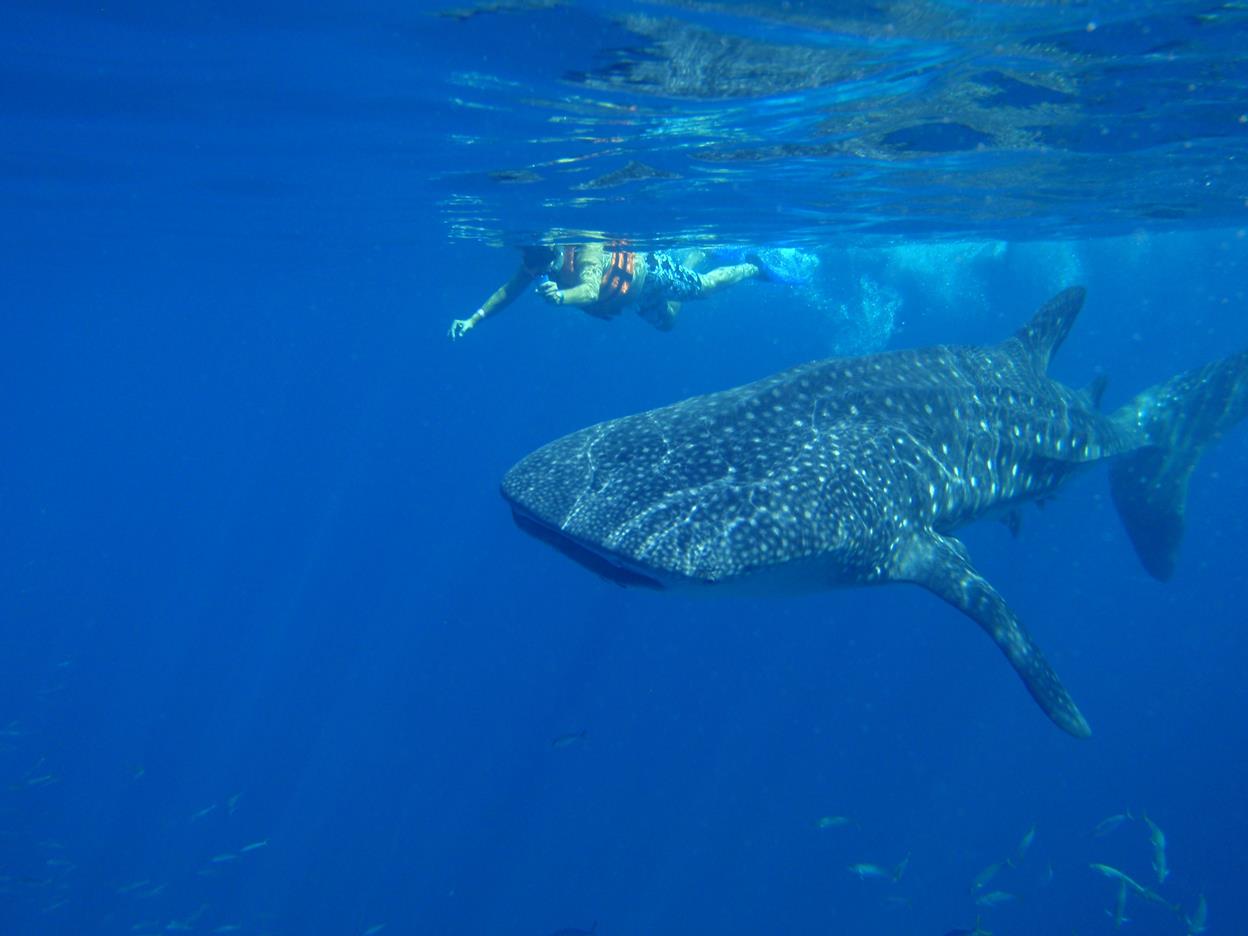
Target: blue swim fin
x=787 y=265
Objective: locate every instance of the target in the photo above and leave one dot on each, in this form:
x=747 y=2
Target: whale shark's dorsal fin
x=1046 y=331
x=1095 y=391
x=940 y=564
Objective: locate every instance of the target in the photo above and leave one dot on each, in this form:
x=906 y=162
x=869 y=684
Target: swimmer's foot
x=755 y=258
x=786 y=265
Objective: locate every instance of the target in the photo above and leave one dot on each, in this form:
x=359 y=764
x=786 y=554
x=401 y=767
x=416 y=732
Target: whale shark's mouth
x=596 y=562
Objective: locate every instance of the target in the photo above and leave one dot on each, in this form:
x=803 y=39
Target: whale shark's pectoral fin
x=941 y=565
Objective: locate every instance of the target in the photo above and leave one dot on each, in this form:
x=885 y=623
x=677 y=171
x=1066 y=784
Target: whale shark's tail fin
x=1178 y=419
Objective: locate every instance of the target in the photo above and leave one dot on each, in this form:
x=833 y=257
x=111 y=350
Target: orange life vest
x=617 y=273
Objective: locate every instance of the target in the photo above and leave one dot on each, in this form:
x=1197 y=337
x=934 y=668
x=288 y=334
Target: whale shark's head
x=553 y=498
x=641 y=501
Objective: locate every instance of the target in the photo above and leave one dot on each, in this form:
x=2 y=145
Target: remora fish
x=858 y=471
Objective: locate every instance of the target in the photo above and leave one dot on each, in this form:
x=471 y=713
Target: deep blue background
x=253 y=561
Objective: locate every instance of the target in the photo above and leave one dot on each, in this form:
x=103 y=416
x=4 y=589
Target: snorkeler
x=601 y=280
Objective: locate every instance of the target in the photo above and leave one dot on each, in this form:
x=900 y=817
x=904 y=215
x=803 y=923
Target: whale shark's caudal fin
x=1179 y=419
x=1048 y=328
x=940 y=564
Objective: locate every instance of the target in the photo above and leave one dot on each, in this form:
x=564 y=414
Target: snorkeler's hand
x=461 y=327
x=550 y=292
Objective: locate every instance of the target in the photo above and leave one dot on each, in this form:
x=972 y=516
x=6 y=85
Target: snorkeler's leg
x=721 y=277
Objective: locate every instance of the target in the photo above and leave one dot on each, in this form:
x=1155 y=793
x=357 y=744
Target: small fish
x=567 y=740
x=224 y=857
x=374 y=929
x=1196 y=922
x=900 y=869
x=228 y=928
x=1119 y=913
x=1150 y=895
x=1110 y=823
x=1153 y=897
x=42 y=780
x=1158 y=838
x=1160 y=867
x=132 y=886
x=1025 y=843
x=1115 y=875
x=977 y=884
x=977 y=931
x=831 y=822
x=262 y=843
x=231 y=804
x=865 y=870
x=206 y=811
x=994 y=899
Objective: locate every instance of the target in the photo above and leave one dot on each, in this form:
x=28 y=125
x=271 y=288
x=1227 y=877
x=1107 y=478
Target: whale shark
x=858 y=471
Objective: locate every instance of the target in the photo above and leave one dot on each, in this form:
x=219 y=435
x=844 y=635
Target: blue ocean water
x=274 y=658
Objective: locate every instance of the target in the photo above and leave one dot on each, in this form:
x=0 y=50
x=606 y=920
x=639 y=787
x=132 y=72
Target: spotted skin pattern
x=840 y=472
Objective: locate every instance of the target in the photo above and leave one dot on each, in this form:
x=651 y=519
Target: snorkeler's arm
x=506 y=294
x=502 y=297
x=589 y=261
